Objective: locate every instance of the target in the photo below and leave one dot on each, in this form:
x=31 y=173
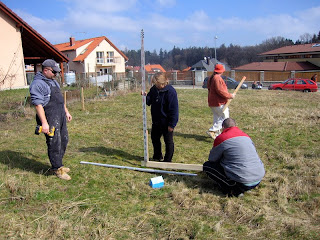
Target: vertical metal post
x=144 y=106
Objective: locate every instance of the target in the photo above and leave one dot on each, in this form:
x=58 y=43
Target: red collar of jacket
x=228 y=133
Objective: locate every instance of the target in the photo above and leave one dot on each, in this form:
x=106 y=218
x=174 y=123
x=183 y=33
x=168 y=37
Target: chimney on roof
x=72 y=41
x=206 y=59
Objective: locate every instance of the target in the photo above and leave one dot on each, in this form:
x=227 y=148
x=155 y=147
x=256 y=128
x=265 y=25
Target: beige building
x=94 y=55
x=21 y=45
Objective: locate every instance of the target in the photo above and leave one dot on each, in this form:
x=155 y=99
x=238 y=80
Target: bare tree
x=6 y=78
x=306 y=38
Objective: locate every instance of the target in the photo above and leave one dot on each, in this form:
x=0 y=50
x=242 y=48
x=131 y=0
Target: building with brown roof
x=93 y=55
x=294 y=58
x=295 y=53
x=21 y=45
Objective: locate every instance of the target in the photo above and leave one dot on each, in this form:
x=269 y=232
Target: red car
x=296 y=84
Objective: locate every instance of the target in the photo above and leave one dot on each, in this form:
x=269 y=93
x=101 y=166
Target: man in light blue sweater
x=234 y=163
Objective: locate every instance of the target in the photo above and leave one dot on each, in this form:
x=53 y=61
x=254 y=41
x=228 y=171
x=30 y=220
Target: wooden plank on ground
x=168 y=165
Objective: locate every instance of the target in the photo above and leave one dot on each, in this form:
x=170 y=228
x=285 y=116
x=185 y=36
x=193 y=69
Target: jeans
x=216 y=172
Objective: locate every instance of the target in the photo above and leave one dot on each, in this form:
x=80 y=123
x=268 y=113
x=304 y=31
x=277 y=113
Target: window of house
x=100 y=57
x=83 y=51
x=110 y=57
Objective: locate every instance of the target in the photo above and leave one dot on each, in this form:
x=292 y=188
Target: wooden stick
x=82 y=98
x=65 y=98
x=235 y=91
x=169 y=165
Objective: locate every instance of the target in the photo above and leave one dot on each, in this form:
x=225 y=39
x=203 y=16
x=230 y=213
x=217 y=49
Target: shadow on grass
x=200 y=182
x=18 y=160
x=202 y=138
x=113 y=152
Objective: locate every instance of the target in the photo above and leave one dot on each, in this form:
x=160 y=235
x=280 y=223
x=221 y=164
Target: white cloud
x=199 y=21
x=93 y=22
x=124 y=19
x=101 y=5
x=167 y=3
x=51 y=29
x=173 y=39
x=159 y=22
x=284 y=25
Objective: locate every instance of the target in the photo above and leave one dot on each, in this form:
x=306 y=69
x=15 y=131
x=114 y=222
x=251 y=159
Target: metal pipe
x=139 y=169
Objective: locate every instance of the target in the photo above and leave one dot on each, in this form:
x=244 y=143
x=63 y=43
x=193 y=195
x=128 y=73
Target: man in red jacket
x=218 y=96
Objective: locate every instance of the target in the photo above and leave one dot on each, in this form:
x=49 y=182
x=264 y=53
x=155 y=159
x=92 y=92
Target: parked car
x=230 y=82
x=296 y=84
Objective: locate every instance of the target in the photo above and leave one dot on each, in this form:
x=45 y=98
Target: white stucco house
x=20 y=46
x=94 y=55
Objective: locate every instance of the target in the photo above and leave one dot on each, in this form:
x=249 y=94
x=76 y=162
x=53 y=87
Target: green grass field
x=107 y=203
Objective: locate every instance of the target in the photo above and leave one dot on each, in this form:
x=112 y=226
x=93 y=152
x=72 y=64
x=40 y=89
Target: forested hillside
x=233 y=55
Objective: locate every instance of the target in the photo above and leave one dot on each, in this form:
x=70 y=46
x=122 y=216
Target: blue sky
x=169 y=23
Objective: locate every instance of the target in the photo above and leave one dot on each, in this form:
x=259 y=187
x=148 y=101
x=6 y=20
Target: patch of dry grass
x=104 y=203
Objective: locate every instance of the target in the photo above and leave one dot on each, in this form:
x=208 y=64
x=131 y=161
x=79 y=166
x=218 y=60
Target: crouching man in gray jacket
x=234 y=163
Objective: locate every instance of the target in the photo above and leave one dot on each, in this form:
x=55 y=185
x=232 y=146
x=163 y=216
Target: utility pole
x=144 y=106
x=215 y=47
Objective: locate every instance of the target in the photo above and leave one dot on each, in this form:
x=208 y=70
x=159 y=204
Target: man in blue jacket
x=51 y=112
x=165 y=114
x=234 y=163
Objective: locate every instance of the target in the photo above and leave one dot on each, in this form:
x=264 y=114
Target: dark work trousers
x=156 y=133
x=56 y=116
x=216 y=172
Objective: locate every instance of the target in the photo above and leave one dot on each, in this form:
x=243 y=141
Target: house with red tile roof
x=150 y=68
x=20 y=46
x=186 y=69
x=154 y=68
x=93 y=55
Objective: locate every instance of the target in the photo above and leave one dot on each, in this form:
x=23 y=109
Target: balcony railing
x=108 y=61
